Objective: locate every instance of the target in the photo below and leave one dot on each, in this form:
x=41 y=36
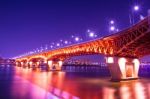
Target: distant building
x=6 y=61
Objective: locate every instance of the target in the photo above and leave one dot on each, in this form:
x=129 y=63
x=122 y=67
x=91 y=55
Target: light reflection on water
x=29 y=84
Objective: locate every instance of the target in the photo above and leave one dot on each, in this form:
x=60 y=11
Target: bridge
x=122 y=51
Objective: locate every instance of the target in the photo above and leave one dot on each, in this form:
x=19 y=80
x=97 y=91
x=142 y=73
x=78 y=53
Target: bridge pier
x=49 y=64
x=18 y=64
x=22 y=64
x=30 y=64
x=54 y=65
x=122 y=68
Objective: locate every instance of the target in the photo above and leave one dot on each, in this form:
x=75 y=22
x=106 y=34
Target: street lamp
x=57 y=44
x=112 y=28
x=66 y=42
x=51 y=46
x=134 y=11
x=91 y=34
x=112 y=22
x=77 y=39
x=136 y=8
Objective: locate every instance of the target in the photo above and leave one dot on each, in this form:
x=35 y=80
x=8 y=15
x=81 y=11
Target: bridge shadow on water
x=31 y=83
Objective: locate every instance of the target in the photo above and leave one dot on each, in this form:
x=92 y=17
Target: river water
x=24 y=83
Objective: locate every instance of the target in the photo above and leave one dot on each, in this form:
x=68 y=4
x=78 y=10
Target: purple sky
x=27 y=25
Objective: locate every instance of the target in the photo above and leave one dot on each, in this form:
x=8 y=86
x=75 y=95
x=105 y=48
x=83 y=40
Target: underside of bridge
x=130 y=44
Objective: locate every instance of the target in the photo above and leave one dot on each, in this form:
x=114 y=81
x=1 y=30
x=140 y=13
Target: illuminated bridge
x=122 y=51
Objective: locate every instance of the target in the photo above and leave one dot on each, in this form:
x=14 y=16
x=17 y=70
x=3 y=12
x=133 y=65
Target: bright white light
x=136 y=7
x=30 y=63
x=38 y=63
x=111 y=22
x=50 y=63
x=88 y=30
x=21 y=63
x=60 y=63
x=110 y=60
x=122 y=65
x=136 y=66
x=66 y=42
x=76 y=38
x=112 y=28
x=51 y=46
x=91 y=34
x=57 y=44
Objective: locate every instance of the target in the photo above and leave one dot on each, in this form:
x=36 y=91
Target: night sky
x=27 y=25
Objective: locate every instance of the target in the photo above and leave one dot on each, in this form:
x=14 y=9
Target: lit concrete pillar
x=122 y=68
x=17 y=63
x=50 y=64
x=22 y=64
x=60 y=63
x=55 y=65
x=30 y=64
x=38 y=64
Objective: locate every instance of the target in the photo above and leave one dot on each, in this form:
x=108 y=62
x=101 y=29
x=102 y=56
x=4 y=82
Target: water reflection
x=34 y=84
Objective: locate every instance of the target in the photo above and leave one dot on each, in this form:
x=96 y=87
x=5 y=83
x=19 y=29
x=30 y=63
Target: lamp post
x=91 y=34
x=112 y=27
x=135 y=10
x=132 y=16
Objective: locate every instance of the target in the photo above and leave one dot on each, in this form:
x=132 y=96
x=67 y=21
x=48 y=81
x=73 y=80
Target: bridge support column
x=37 y=65
x=122 y=68
x=30 y=64
x=18 y=64
x=49 y=64
x=60 y=63
x=22 y=64
x=52 y=65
